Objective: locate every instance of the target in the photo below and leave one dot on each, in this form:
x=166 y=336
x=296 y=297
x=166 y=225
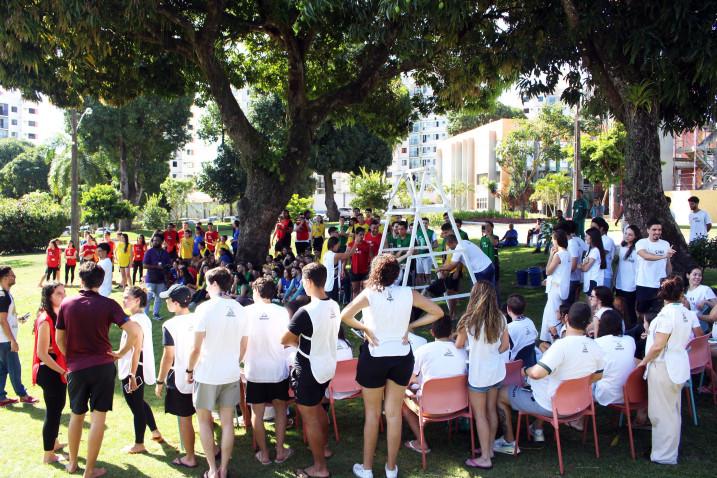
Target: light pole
x=75 y=204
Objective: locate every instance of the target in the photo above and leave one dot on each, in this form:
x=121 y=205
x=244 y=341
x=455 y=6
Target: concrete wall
x=708 y=202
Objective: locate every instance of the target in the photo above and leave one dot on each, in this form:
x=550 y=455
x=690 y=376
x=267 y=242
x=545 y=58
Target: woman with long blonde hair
x=484 y=328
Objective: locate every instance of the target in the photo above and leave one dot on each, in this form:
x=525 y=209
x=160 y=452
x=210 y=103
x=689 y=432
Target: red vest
x=59 y=358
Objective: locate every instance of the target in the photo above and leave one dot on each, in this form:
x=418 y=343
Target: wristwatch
x=189 y=371
x=159 y=382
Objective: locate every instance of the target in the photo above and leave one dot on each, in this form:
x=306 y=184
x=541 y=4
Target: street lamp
x=75 y=205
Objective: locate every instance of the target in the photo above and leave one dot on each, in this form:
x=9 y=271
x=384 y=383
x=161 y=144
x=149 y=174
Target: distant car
x=192 y=223
x=345 y=211
x=85 y=228
x=230 y=219
x=100 y=231
x=211 y=219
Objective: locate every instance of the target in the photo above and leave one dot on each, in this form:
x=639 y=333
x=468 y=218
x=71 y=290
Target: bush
x=153 y=215
x=297 y=205
x=704 y=251
x=371 y=189
x=28 y=223
x=477 y=216
x=102 y=204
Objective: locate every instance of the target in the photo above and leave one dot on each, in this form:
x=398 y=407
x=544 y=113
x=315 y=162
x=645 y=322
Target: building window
x=404 y=162
x=174 y=175
x=3 y=109
x=434 y=149
x=425 y=138
x=32 y=111
x=13 y=109
x=404 y=150
x=32 y=123
x=31 y=136
x=188 y=165
x=189 y=152
x=481 y=179
x=413 y=139
x=482 y=203
x=13 y=134
x=437 y=136
x=174 y=164
x=3 y=123
x=413 y=152
x=13 y=122
x=415 y=127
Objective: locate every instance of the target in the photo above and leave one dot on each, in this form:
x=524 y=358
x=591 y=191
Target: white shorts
x=424 y=265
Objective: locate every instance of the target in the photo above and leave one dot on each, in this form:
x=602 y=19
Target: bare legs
x=373 y=401
x=486 y=417
x=316 y=424
x=206 y=434
x=94 y=442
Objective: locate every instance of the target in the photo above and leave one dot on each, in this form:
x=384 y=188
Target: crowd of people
x=250 y=333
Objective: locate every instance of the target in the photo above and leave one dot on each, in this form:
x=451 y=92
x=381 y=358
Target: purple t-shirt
x=154 y=256
x=86 y=319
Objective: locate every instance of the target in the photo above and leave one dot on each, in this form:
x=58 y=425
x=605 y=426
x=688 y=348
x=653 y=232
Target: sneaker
x=156 y=317
x=361 y=472
x=7 y=401
x=29 y=399
x=537 y=433
x=391 y=473
x=502 y=446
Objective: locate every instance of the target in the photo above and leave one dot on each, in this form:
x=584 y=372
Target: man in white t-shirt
x=468 y=254
x=214 y=365
x=571 y=357
x=700 y=222
x=653 y=263
x=334 y=262
x=437 y=359
x=576 y=248
x=265 y=367
x=608 y=244
x=105 y=263
x=522 y=332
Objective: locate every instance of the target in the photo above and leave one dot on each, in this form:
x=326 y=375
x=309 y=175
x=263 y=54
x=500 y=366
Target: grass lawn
x=21 y=445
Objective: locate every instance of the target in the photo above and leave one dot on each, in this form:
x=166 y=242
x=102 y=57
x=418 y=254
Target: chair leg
x=556 y=428
x=595 y=435
x=629 y=434
x=423 y=446
x=450 y=428
x=585 y=428
x=693 y=405
x=517 y=432
x=333 y=418
x=621 y=420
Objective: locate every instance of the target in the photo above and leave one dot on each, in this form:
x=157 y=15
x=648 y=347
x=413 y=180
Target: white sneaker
x=361 y=472
x=537 y=433
x=391 y=473
x=502 y=446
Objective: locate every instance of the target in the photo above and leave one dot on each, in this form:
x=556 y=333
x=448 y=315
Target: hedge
x=27 y=224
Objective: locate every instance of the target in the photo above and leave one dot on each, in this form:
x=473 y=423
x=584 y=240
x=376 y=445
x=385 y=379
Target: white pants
x=550 y=313
x=664 y=410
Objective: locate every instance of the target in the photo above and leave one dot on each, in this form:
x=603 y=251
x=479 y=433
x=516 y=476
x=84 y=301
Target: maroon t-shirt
x=86 y=319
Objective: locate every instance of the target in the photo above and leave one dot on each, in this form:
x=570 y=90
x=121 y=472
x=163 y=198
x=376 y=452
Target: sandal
x=473 y=463
x=289 y=454
x=301 y=473
x=178 y=462
x=257 y=455
x=411 y=445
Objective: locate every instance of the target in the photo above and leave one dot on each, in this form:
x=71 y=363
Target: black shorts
x=94 y=384
x=334 y=293
x=307 y=390
x=373 y=372
x=645 y=298
x=52 y=270
x=267 y=392
x=452 y=284
x=178 y=404
x=301 y=247
x=358 y=277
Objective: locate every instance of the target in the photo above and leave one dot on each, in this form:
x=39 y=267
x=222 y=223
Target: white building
x=32 y=121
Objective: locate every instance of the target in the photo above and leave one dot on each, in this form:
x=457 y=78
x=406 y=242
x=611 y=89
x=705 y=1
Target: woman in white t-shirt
x=601 y=300
x=626 y=272
x=699 y=297
x=595 y=261
x=619 y=357
x=668 y=368
x=385 y=362
x=134 y=301
x=483 y=327
x=557 y=285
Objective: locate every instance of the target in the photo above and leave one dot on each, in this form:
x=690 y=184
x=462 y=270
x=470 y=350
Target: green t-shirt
x=580 y=209
x=486 y=245
x=421 y=238
x=395 y=242
x=343 y=240
x=463 y=234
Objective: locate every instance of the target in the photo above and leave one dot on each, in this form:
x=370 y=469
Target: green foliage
x=704 y=252
x=370 y=188
x=297 y=205
x=93 y=168
x=470 y=118
x=36 y=216
x=223 y=179
x=26 y=173
x=348 y=148
x=551 y=188
x=102 y=204
x=10 y=148
x=175 y=192
x=153 y=215
x=603 y=158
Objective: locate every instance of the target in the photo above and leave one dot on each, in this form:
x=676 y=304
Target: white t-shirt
x=439 y=359
x=594 y=273
x=522 y=333
x=8 y=302
x=609 y=245
x=332 y=270
x=125 y=362
x=626 y=270
x=475 y=257
x=649 y=273
x=388 y=316
x=486 y=366
x=181 y=329
x=699 y=294
x=573 y=356
x=416 y=341
x=576 y=248
x=264 y=359
x=619 y=357
x=560 y=278
x=698 y=224
x=106 y=287
x=343 y=351
x=677 y=321
x=224 y=322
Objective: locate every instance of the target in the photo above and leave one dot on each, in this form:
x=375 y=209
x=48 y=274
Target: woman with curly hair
x=385 y=361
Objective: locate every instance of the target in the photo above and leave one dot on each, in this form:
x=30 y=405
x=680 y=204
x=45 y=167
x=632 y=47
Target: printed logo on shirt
x=585 y=348
x=619 y=346
x=448 y=353
x=390 y=297
x=263 y=317
x=230 y=312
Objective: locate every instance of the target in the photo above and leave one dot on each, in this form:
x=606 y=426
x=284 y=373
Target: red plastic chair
x=443 y=400
x=634 y=394
x=344 y=381
x=572 y=400
x=700 y=355
x=513 y=374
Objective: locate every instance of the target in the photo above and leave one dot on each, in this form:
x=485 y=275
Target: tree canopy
x=102 y=205
x=10 y=148
x=470 y=118
x=26 y=173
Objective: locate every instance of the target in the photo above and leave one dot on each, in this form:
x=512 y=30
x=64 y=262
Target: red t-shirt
x=71 y=256
x=112 y=248
x=210 y=239
x=302 y=232
x=53 y=257
x=138 y=251
x=86 y=319
x=171 y=238
x=361 y=258
x=375 y=241
x=89 y=251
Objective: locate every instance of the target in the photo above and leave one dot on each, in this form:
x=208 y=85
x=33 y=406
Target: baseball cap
x=178 y=293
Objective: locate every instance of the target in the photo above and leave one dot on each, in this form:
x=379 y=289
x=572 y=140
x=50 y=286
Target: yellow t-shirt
x=221 y=246
x=186 y=248
x=123 y=257
x=318 y=229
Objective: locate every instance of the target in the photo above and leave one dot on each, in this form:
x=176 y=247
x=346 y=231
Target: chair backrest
x=345 y=378
x=573 y=396
x=527 y=355
x=441 y=396
x=635 y=388
x=698 y=351
x=512 y=373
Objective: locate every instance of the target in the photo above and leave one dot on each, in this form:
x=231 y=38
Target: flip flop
x=301 y=473
x=257 y=455
x=178 y=462
x=412 y=446
x=289 y=454
x=472 y=463
x=159 y=439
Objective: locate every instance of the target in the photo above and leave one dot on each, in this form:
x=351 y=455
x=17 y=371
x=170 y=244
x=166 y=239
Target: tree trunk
x=75 y=180
x=332 y=210
x=124 y=224
x=644 y=197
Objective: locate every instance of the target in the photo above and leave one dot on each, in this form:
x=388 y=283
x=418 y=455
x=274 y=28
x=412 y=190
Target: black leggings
x=143 y=416
x=54 y=393
x=69 y=272
x=137 y=265
x=52 y=273
x=630 y=303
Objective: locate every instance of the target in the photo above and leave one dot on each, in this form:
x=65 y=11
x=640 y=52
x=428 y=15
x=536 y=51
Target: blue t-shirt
x=197 y=240
x=154 y=256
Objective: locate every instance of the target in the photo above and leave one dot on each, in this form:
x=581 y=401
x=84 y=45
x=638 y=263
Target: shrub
x=102 y=204
x=297 y=205
x=153 y=215
x=28 y=223
x=704 y=252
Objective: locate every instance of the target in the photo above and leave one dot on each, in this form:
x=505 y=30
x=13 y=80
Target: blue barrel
x=521 y=277
x=535 y=276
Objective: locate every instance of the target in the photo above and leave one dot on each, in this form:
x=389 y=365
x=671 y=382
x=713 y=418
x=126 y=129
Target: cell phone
x=23 y=318
x=139 y=382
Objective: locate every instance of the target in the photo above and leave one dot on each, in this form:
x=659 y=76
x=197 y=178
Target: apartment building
x=32 y=121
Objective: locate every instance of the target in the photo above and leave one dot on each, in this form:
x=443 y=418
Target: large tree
x=26 y=173
x=324 y=58
x=10 y=148
x=472 y=117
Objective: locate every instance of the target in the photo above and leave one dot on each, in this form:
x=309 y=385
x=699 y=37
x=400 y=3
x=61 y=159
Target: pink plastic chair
x=344 y=381
x=572 y=400
x=634 y=394
x=700 y=355
x=441 y=400
x=513 y=374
